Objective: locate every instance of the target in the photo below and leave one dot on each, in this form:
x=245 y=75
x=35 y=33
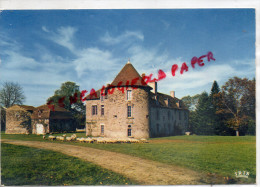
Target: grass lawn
x=29 y=166
x=223 y=155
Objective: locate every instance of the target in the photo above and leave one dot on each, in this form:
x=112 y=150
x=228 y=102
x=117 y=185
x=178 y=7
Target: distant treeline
x=226 y=111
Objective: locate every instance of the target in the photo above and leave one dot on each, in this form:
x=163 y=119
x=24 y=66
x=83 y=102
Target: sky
x=41 y=49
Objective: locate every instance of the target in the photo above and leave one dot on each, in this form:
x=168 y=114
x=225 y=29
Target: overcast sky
x=41 y=49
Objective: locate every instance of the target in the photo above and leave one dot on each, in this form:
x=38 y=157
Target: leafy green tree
x=237 y=103
x=191 y=101
x=68 y=96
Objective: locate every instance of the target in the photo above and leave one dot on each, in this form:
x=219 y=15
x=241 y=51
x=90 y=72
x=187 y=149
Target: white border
x=126 y=4
x=150 y=4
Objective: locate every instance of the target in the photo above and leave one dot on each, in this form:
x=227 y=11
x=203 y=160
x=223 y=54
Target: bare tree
x=11 y=93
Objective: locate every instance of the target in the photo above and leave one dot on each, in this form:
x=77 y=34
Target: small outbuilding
x=18 y=119
x=45 y=120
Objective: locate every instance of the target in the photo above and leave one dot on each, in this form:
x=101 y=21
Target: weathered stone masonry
x=18 y=119
x=152 y=114
x=22 y=119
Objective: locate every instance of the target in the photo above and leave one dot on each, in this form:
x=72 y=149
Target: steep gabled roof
x=56 y=108
x=44 y=112
x=128 y=73
x=21 y=107
x=26 y=107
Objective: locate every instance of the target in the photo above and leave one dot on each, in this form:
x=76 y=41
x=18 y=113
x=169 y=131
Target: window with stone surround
x=102 y=110
x=102 y=129
x=129 y=95
x=129 y=130
x=129 y=111
x=94 y=110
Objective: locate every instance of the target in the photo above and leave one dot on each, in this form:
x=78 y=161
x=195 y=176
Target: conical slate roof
x=128 y=73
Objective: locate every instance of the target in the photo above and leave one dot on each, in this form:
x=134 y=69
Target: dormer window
x=166 y=101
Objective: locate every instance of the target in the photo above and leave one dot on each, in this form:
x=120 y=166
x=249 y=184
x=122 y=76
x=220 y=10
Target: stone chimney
x=154 y=86
x=172 y=93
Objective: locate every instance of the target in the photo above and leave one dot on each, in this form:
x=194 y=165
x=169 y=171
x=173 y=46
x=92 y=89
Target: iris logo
x=242 y=174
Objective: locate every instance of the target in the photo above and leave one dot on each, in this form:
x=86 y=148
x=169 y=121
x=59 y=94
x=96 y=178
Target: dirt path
x=144 y=171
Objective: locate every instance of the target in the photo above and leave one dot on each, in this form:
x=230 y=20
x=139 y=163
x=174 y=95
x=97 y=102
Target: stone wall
x=18 y=122
x=53 y=125
x=2 y=118
x=44 y=122
x=115 y=120
x=168 y=121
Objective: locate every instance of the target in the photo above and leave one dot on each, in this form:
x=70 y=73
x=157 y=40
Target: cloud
x=201 y=78
x=91 y=59
x=94 y=66
x=64 y=37
x=17 y=61
x=166 y=24
x=45 y=29
x=125 y=37
x=86 y=60
x=8 y=43
x=150 y=60
x=38 y=75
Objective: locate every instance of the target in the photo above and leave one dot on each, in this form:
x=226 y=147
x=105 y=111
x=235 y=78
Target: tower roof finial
x=128 y=61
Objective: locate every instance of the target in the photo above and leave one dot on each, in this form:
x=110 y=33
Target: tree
x=217 y=119
x=237 y=102
x=68 y=96
x=11 y=94
x=191 y=101
x=215 y=89
x=202 y=122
